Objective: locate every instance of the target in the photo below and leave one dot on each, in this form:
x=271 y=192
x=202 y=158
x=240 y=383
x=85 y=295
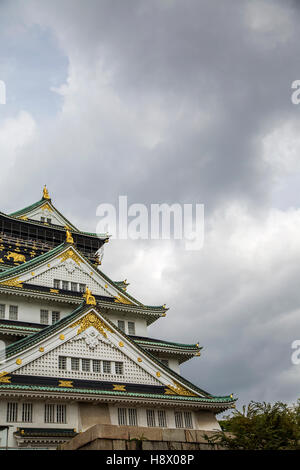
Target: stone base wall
x=109 y=437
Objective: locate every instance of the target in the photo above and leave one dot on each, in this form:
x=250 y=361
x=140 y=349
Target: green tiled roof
x=168 y=343
x=211 y=399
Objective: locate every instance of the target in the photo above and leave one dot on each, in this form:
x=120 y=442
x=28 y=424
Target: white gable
x=48 y=212
x=47 y=365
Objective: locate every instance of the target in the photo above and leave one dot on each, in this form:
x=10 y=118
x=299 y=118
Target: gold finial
x=89 y=298
x=69 y=238
x=46 y=193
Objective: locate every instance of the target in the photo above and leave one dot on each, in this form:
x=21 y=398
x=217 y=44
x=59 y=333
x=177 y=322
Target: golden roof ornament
x=46 y=193
x=69 y=238
x=89 y=298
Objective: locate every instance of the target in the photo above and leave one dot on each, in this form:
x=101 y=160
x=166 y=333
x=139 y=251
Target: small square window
x=74 y=363
x=62 y=363
x=81 y=287
x=44 y=317
x=42 y=219
x=48 y=221
x=131 y=328
x=86 y=365
x=106 y=367
x=55 y=317
x=74 y=287
x=13 y=312
x=96 y=366
x=65 y=285
x=121 y=325
x=2 y=311
x=119 y=368
x=56 y=284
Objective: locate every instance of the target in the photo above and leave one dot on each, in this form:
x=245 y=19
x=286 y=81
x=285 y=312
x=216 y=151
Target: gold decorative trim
x=19 y=361
x=46 y=193
x=121 y=300
x=89 y=298
x=46 y=206
x=16 y=257
x=70 y=253
x=158 y=374
x=12 y=282
x=69 y=238
x=119 y=388
x=24 y=217
x=41 y=349
x=178 y=389
x=121 y=344
x=54 y=291
x=91 y=319
x=4 y=378
x=66 y=383
x=139 y=359
x=62 y=337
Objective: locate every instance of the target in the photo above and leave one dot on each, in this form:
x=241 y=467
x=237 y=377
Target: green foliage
x=260 y=426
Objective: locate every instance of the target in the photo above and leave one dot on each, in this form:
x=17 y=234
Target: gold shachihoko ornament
x=46 y=193
x=69 y=238
x=89 y=298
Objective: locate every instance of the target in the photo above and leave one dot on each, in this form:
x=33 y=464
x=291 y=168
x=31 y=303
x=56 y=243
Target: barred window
x=86 y=365
x=49 y=221
x=27 y=413
x=131 y=328
x=74 y=363
x=132 y=417
x=65 y=285
x=13 y=312
x=42 y=219
x=55 y=317
x=61 y=414
x=49 y=413
x=62 y=362
x=2 y=311
x=74 y=286
x=188 y=420
x=12 y=412
x=96 y=365
x=56 y=284
x=178 y=419
x=121 y=325
x=119 y=368
x=106 y=367
x=81 y=287
x=161 y=418
x=44 y=317
x=151 y=418
x=122 y=416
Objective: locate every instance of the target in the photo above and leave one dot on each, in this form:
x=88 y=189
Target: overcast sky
x=178 y=102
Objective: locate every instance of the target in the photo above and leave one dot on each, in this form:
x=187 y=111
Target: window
x=96 y=365
x=65 y=285
x=188 y=420
x=42 y=219
x=106 y=367
x=55 y=317
x=56 y=284
x=49 y=413
x=121 y=325
x=86 y=365
x=2 y=311
x=27 y=413
x=13 y=312
x=132 y=417
x=119 y=368
x=165 y=362
x=48 y=221
x=12 y=412
x=131 y=328
x=61 y=414
x=44 y=317
x=74 y=363
x=62 y=363
x=150 y=418
x=55 y=413
x=122 y=416
x=178 y=419
x=161 y=418
x=74 y=287
x=81 y=287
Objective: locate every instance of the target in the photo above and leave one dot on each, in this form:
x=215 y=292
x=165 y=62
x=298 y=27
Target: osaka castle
x=75 y=347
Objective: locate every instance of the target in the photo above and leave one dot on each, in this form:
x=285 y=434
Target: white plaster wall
x=140 y=323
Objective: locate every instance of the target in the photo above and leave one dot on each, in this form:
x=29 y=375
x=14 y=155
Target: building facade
x=75 y=345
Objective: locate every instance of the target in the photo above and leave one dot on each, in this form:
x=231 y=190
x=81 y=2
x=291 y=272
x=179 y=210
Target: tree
x=260 y=426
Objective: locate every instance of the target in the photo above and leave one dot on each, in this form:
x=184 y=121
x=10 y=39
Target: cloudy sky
x=178 y=102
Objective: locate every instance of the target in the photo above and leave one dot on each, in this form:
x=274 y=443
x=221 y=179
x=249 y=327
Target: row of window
x=12 y=311
x=67 y=285
x=43 y=219
x=90 y=365
x=44 y=317
x=129 y=417
x=52 y=413
x=130 y=326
